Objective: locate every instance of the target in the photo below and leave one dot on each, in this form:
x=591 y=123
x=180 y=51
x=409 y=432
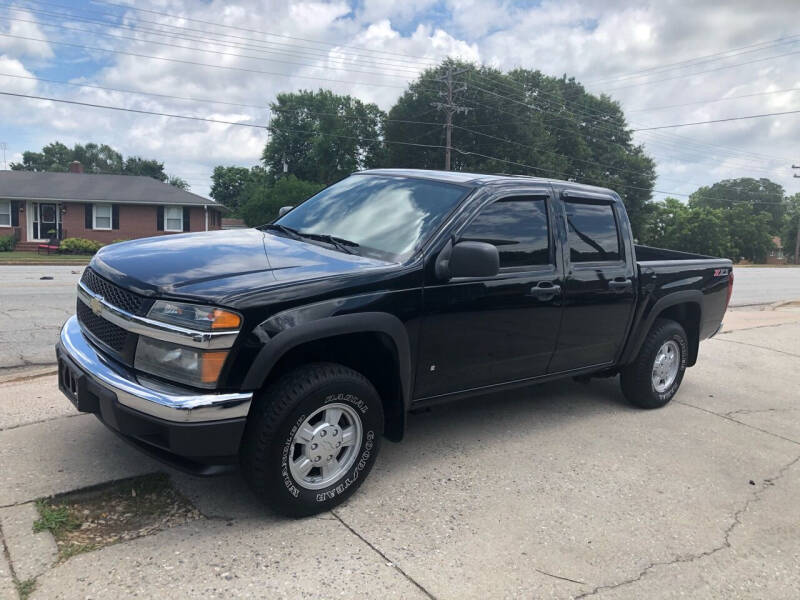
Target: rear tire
x=654 y=377
x=312 y=439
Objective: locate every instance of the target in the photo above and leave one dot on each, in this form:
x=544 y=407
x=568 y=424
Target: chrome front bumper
x=176 y=405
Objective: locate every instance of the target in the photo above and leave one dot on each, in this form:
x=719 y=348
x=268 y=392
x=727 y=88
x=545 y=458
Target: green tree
x=697 y=229
x=178 y=182
x=263 y=201
x=790 y=226
x=762 y=195
x=533 y=123
x=228 y=184
x=754 y=210
x=95 y=159
x=322 y=136
x=136 y=165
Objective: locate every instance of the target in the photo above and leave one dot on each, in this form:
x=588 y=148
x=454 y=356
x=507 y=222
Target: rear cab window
x=593 y=231
x=518 y=226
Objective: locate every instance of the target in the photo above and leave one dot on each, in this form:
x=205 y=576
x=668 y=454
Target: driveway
x=558 y=491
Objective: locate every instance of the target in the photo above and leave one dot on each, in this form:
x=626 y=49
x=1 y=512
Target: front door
x=46 y=221
x=483 y=331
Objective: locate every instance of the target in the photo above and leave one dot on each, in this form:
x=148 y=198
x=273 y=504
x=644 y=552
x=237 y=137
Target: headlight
x=194 y=316
x=192 y=366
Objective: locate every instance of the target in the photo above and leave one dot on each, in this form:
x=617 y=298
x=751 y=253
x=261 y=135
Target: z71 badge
x=721 y=272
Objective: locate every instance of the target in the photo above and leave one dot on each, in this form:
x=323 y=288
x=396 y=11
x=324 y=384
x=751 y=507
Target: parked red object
x=51 y=245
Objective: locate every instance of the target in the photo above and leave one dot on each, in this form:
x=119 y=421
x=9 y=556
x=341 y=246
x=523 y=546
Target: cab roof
x=474 y=179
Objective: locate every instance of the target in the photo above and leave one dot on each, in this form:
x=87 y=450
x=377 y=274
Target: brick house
x=776 y=255
x=38 y=206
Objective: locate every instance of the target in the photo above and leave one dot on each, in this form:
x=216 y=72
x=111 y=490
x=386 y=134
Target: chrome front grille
x=127 y=301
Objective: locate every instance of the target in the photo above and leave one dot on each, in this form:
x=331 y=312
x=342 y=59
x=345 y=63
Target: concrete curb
x=777 y=305
x=31 y=553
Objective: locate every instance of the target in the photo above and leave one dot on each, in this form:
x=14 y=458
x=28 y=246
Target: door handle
x=619 y=285
x=544 y=290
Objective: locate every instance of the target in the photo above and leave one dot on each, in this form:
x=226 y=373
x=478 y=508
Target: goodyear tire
x=654 y=377
x=312 y=438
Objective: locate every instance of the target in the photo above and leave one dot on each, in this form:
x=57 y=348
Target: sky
x=667 y=62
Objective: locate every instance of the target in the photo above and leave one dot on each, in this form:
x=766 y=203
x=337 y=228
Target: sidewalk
x=557 y=491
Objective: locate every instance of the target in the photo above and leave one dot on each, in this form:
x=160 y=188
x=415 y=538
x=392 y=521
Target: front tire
x=312 y=439
x=654 y=377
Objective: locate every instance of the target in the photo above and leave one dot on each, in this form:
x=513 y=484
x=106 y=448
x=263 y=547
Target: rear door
x=599 y=291
x=483 y=331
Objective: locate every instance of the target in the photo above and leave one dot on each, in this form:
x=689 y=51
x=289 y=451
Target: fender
x=317 y=329
x=639 y=334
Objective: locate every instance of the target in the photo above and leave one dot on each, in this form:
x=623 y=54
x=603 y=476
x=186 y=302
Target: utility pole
x=4 y=146
x=450 y=108
x=797 y=235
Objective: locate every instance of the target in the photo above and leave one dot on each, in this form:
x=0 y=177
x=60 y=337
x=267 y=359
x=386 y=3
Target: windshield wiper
x=292 y=233
x=340 y=243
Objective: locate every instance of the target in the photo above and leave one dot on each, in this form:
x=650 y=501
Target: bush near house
x=7 y=243
x=79 y=246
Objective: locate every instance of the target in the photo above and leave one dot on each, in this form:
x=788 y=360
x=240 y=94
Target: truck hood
x=217 y=265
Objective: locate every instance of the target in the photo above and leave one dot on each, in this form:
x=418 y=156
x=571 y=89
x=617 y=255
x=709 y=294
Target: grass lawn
x=32 y=258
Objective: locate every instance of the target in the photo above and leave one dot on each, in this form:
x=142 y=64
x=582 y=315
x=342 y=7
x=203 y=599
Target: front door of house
x=46 y=222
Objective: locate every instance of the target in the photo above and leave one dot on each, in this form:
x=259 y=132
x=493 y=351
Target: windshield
x=386 y=216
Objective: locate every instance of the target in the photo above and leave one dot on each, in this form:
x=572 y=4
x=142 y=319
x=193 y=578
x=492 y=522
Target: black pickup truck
x=293 y=348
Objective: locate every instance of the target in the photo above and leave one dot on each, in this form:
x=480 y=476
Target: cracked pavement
x=557 y=491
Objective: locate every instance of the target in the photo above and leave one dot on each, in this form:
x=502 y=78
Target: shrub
x=7 y=243
x=79 y=246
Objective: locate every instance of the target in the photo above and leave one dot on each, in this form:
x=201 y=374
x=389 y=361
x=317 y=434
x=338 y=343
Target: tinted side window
x=592 y=232
x=518 y=227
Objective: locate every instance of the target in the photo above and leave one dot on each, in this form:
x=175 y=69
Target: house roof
x=85 y=187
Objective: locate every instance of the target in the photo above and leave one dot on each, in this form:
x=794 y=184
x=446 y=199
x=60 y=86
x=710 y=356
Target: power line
x=260 y=32
x=721 y=68
x=200 y=64
x=381 y=141
x=775 y=114
x=385 y=73
x=712 y=101
x=756 y=47
x=593 y=115
x=265 y=47
x=205 y=119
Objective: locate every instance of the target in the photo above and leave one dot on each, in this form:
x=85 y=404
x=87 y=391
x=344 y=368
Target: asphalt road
x=754 y=285
x=558 y=491
x=32 y=310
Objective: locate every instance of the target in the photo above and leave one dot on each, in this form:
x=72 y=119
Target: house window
x=102 y=216
x=5 y=214
x=173 y=218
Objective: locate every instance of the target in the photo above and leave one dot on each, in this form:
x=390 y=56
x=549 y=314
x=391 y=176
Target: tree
x=136 y=165
x=762 y=195
x=754 y=210
x=228 y=185
x=178 y=182
x=532 y=123
x=790 y=225
x=95 y=159
x=263 y=202
x=697 y=229
x=322 y=136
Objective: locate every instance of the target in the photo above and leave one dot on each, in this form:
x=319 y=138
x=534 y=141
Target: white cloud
x=593 y=41
x=17 y=46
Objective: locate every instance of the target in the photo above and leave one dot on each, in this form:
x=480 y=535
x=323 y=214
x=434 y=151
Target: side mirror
x=467 y=259
x=284 y=209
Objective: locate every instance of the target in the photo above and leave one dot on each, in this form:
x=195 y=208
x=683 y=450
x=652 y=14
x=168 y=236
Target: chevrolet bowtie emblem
x=96 y=305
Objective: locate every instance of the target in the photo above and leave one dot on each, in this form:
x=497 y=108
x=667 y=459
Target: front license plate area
x=74 y=385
